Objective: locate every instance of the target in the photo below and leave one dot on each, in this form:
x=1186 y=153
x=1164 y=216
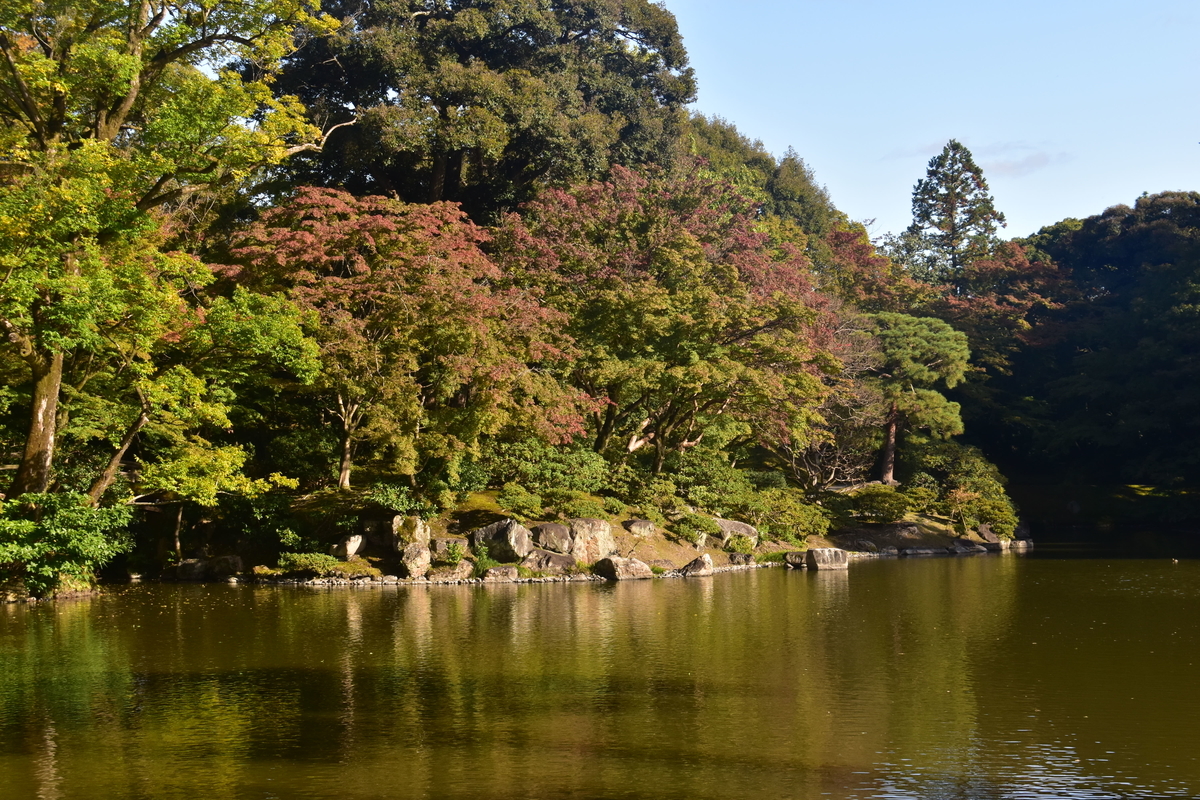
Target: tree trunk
x=604 y=428
x=106 y=478
x=887 y=469
x=660 y=454
x=33 y=473
x=178 y=528
x=347 y=455
x=437 y=181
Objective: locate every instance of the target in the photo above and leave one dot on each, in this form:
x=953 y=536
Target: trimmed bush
x=692 y=527
x=519 y=502
x=879 y=504
x=740 y=544
x=790 y=518
x=315 y=564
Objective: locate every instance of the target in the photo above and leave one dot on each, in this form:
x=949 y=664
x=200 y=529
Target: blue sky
x=1070 y=107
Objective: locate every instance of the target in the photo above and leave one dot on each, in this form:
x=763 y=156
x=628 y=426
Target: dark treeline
x=268 y=265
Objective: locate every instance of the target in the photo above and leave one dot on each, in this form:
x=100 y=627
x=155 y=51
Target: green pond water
x=998 y=676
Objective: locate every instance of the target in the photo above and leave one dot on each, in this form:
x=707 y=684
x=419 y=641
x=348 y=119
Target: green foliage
x=49 y=539
x=614 y=506
x=583 y=507
x=655 y=492
x=519 y=502
x=321 y=565
x=657 y=570
x=308 y=564
x=740 y=544
x=399 y=499
x=541 y=93
x=970 y=488
x=879 y=504
x=693 y=528
x=790 y=518
x=483 y=561
x=953 y=210
x=770 y=558
x=455 y=553
x=542 y=467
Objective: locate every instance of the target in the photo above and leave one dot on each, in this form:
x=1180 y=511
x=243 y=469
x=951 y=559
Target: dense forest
x=266 y=267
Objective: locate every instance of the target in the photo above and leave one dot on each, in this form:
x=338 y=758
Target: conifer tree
x=952 y=210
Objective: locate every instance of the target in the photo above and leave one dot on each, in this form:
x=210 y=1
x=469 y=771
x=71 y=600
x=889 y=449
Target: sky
x=1070 y=107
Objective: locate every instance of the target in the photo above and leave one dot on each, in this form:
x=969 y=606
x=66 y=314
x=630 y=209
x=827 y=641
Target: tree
x=952 y=210
x=685 y=314
x=422 y=355
x=918 y=354
x=1112 y=368
x=482 y=101
x=109 y=112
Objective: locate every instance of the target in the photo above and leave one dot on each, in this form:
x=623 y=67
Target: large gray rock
x=349 y=546
x=223 y=567
x=458 y=572
x=641 y=528
x=553 y=536
x=731 y=528
x=591 y=540
x=998 y=547
x=987 y=534
x=409 y=530
x=741 y=559
x=440 y=548
x=621 y=569
x=1021 y=544
x=502 y=574
x=415 y=560
x=826 y=558
x=548 y=562
x=796 y=559
x=889 y=550
x=923 y=551
x=967 y=548
x=506 y=540
x=191 y=569
x=698 y=568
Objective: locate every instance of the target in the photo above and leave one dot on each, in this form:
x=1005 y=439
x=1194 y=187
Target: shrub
x=614 y=506
x=657 y=570
x=542 y=466
x=693 y=527
x=770 y=558
x=53 y=541
x=354 y=567
x=655 y=492
x=483 y=561
x=455 y=553
x=399 y=499
x=519 y=502
x=791 y=518
x=650 y=513
x=315 y=564
x=740 y=544
x=582 y=507
x=921 y=499
x=879 y=504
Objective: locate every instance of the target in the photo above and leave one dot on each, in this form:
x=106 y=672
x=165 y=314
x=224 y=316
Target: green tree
x=481 y=101
x=111 y=112
x=953 y=213
x=918 y=354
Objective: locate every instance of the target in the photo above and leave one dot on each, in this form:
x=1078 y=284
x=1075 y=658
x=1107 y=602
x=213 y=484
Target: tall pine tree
x=952 y=210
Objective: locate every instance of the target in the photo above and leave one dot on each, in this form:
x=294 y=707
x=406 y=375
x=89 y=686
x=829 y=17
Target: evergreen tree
x=952 y=209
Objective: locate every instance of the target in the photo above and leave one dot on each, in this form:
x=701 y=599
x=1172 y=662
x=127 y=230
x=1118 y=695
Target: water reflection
x=971 y=678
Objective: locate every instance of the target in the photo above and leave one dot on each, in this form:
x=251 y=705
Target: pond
x=997 y=676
